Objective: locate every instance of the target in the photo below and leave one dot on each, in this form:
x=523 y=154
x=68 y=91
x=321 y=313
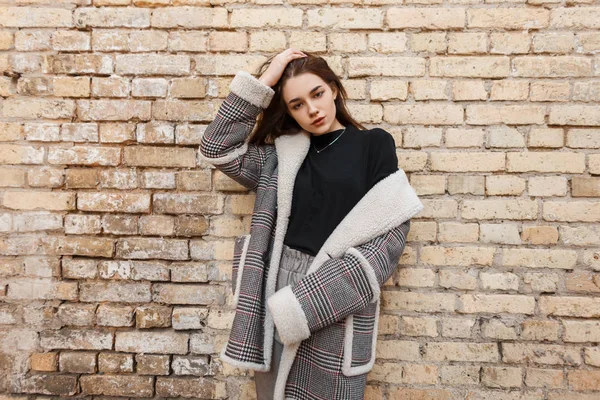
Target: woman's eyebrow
x=298 y=98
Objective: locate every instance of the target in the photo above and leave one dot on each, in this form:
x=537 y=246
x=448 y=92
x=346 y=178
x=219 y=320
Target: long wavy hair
x=275 y=120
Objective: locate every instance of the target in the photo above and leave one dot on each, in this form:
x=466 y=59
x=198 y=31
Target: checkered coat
x=328 y=320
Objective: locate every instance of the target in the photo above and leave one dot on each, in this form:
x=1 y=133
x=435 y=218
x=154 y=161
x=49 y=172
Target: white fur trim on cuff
x=373 y=282
x=251 y=89
x=240 y=151
x=288 y=316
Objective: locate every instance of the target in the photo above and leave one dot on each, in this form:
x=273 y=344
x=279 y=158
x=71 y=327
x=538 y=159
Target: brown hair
x=275 y=120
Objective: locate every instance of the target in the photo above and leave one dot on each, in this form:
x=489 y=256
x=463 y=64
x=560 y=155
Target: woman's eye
x=320 y=93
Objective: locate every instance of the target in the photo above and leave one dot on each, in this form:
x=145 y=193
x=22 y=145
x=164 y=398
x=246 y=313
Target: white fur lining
x=236 y=294
x=347 y=369
x=227 y=157
x=251 y=89
x=373 y=282
x=288 y=316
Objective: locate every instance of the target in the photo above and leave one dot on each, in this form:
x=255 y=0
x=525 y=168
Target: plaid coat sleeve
x=224 y=141
x=338 y=288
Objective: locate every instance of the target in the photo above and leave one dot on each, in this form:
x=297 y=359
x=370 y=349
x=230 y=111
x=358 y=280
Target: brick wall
x=116 y=241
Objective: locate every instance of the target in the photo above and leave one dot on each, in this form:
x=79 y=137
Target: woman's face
x=308 y=98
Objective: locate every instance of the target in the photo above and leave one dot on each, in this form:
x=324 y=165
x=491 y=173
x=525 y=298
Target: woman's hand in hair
x=273 y=73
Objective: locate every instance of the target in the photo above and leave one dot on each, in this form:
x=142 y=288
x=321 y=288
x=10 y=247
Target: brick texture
x=116 y=241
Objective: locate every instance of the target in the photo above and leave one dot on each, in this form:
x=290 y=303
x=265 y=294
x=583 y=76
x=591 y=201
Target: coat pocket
x=240 y=249
x=360 y=340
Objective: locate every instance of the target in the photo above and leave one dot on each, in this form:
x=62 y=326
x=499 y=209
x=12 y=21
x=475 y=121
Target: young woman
x=330 y=220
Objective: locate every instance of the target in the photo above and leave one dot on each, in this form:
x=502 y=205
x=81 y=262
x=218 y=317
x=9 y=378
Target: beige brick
x=456 y=279
x=546 y=162
x=539 y=330
x=159 y=156
x=460 y=374
x=459 y=256
x=226 y=65
x=510 y=42
x=198 y=294
x=400 y=393
x=71 y=41
x=45 y=362
x=412 y=161
x=498 y=209
x=466 y=184
x=428 y=184
x=541 y=282
x=578 y=18
x=108 y=17
x=415 y=277
x=11 y=131
x=152 y=64
x=546 y=137
x=148 y=248
x=553 y=42
x=464 y=162
x=438 y=209
x=422 y=137
x=422 y=231
x=468 y=90
x=51 y=384
x=584 y=211
x=349 y=42
x=540 y=353
x=264 y=41
x=180 y=110
x=188 y=41
x=113 y=110
x=504 y=137
x=459 y=137
x=496 y=328
x=188 y=88
x=499 y=185
x=153 y=316
x=570 y=306
x=37 y=108
x=540 y=235
x=583 y=138
x=145 y=41
x=149 y=87
x=582 y=281
x=501 y=377
x=594 y=163
x=509 y=90
x=471 y=67
x=481 y=114
x=467 y=42
x=418 y=326
x=77 y=362
x=508 y=18
x=413 y=301
x=398 y=349
x=496 y=303
x=110 y=87
x=116 y=315
x=45 y=177
x=499 y=233
x=547 y=186
x=458 y=232
x=12 y=177
x=429 y=89
x=457 y=327
x=592 y=356
x=309 y=41
x=387 y=42
x=584 y=380
x=544 y=378
x=39 y=17
x=539 y=258
x=81 y=64
x=550 y=91
x=76 y=339
x=186 y=387
x=551 y=67
x=426 y=18
x=26 y=40
x=30 y=200
x=586 y=91
x=389 y=89
x=456 y=351
x=117 y=385
x=192 y=17
x=585 y=187
x=431 y=42
x=117 y=132
x=386 y=66
x=187 y=203
x=499 y=281
x=115 y=363
x=344 y=18
x=148 y=364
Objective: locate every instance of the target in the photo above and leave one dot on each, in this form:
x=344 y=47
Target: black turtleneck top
x=330 y=183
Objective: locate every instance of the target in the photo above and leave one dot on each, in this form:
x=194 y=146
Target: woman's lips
x=319 y=121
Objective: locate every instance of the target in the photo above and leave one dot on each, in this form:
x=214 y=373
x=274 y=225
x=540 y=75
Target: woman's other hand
x=273 y=73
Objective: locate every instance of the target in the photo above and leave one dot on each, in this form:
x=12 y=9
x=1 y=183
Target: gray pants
x=292 y=268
